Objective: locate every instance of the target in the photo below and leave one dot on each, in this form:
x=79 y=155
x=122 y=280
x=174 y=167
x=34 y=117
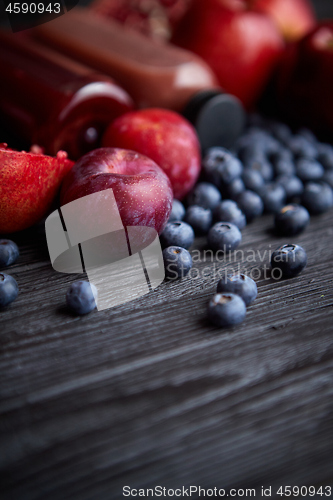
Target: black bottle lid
x=218 y=117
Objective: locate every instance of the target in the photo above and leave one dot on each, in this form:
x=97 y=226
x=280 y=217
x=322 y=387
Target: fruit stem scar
x=223 y=299
x=287 y=248
x=286 y=208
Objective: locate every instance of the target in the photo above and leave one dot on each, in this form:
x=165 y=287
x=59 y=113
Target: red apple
x=305 y=81
x=28 y=185
x=294 y=18
x=165 y=137
x=240 y=45
x=142 y=190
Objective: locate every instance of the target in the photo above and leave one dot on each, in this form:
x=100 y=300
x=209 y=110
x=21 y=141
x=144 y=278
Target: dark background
x=324 y=8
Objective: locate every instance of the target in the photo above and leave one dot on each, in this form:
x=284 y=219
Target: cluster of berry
x=270 y=170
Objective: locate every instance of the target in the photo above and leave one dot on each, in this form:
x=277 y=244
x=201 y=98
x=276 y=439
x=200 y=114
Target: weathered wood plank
x=150 y=393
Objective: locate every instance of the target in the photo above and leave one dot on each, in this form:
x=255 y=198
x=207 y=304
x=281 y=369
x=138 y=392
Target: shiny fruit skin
x=142 y=190
x=241 y=46
x=165 y=137
x=294 y=18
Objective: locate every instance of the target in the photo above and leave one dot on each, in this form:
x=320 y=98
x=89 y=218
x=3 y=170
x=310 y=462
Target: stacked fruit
x=247 y=43
x=242 y=40
x=270 y=170
x=153 y=155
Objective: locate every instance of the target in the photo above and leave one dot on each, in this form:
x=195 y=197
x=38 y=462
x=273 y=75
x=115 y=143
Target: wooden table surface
x=149 y=393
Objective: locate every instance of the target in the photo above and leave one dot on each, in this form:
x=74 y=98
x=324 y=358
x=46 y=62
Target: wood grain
x=149 y=393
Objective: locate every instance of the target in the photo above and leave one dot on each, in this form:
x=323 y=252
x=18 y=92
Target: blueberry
x=280 y=131
x=243 y=142
x=255 y=120
x=248 y=153
x=325 y=155
x=282 y=154
x=221 y=167
x=292 y=219
x=199 y=218
x=9 y=252
x=255 y=144
x=239 y=284
x=328 y=178
x=270 y=144
x=229 y=211
x=279 y=151
x=273 y=197
x=233 y=189
x=264 y=167
x=226 y=309
x=309 y=170
x=283 y=163
x=177 y=211
x=81 y=297
x=309 y=136
x=253 y=180
x=292 y=185
x=251 y=204
x=224 y=236
x=289 y=259
x=8 y=289
x=178 y=234
x=263 y=140
x=177 y=262
x=300 y=146
x=205 y=195
x=317 y=197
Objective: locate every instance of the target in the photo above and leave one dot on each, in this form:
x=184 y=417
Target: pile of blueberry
x=270 y=170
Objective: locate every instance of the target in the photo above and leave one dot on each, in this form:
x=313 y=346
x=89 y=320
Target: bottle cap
x=218 y=117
